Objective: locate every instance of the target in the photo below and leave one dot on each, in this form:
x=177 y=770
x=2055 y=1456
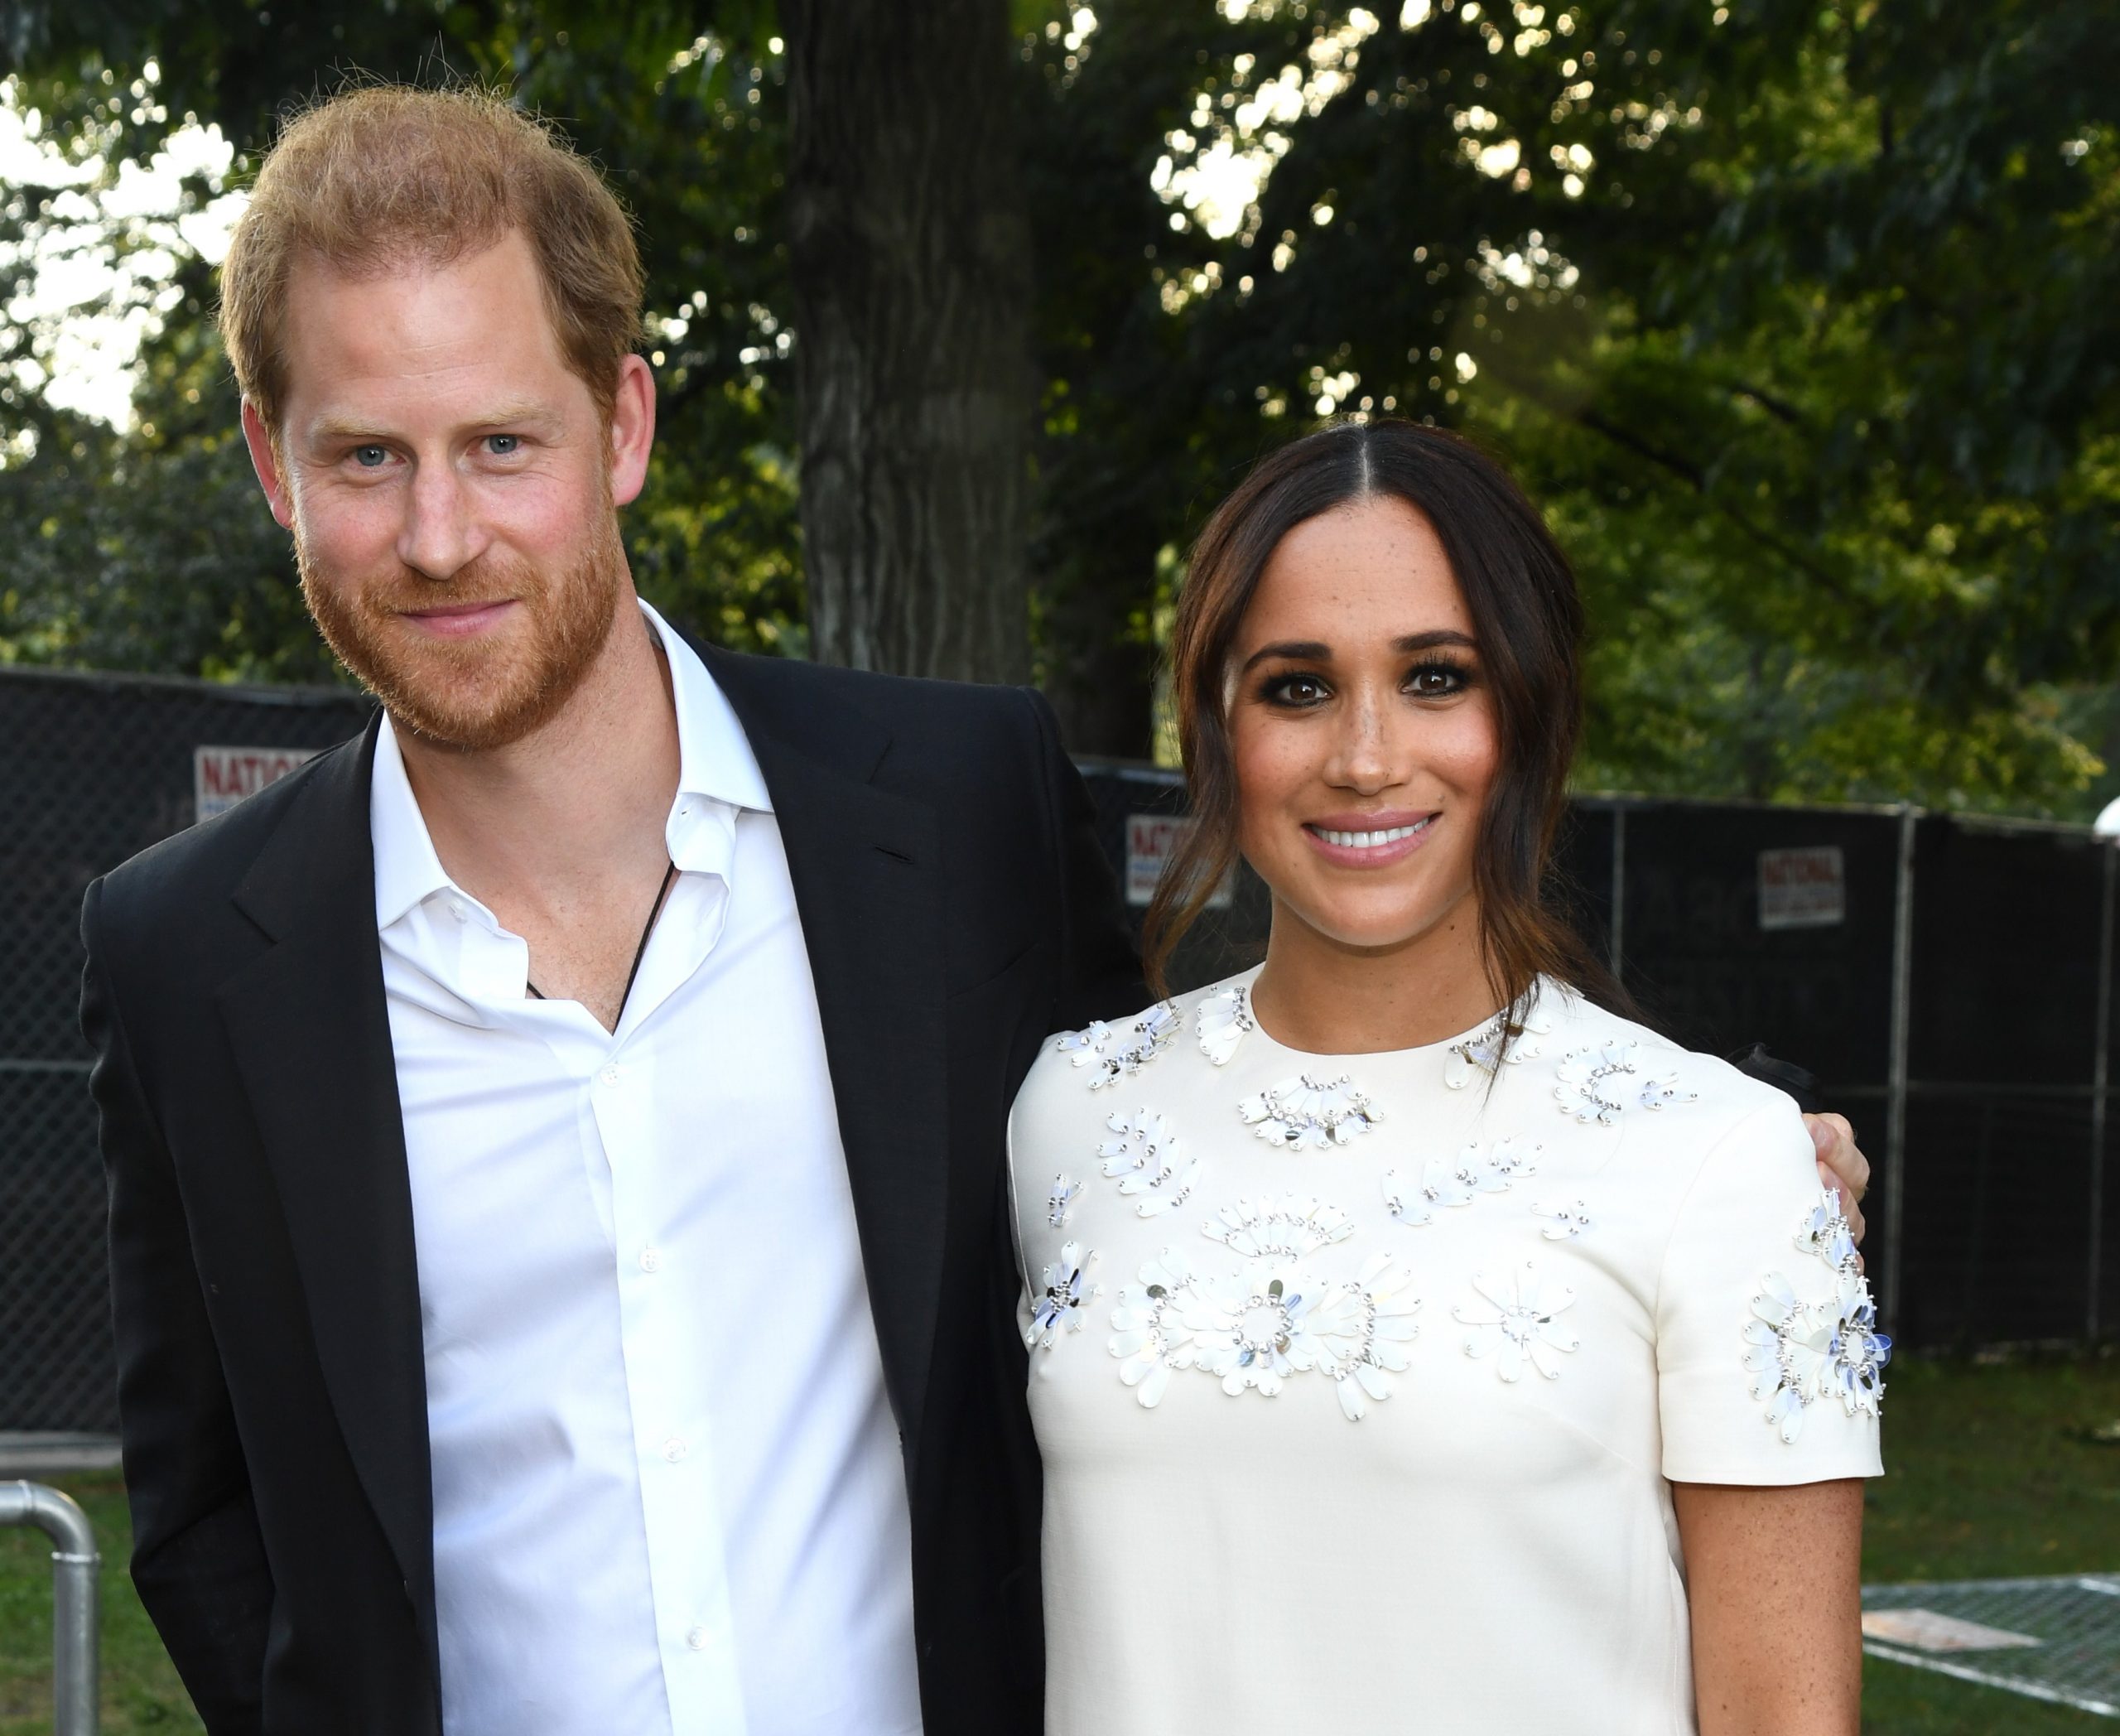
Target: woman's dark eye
x=1436 y=681
x=370 y=458
x=1294 y=690
x=502 y=445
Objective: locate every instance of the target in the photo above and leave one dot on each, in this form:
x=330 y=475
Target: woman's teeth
x=1371 y=840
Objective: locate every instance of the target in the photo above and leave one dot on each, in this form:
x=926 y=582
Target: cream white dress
x=1358 y=1379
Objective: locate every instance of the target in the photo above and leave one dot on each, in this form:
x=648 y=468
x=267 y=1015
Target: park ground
x=1999 y=1469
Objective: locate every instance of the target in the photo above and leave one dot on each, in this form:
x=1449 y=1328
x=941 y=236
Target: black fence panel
x=92 y=769
x=1720 y=972
x=1948 y=981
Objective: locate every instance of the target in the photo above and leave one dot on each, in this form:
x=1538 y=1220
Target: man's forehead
x=476 y=326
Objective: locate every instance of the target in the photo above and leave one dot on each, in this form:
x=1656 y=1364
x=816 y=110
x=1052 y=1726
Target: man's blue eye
x=501 y=444
x=369 y=457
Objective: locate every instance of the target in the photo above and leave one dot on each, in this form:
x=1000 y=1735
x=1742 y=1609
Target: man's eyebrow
x=510 y=412
x=1310 y=650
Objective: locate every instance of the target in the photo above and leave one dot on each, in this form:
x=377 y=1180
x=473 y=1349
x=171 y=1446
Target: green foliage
x=1803 y=323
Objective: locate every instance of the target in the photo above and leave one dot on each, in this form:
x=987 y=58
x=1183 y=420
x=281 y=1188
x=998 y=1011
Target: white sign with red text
x=1152 y=840
x=1802 y=888
x=223 y=776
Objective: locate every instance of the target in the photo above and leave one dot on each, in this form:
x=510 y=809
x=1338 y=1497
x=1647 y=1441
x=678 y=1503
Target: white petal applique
x=1516 y=1321
x=1060 y=1203
x=1511 y=1036
x=1112 y=1051
x=1224 y=1021
x=1142 y=1154
x=1590 y=1080
x=1798 y=1351
x=1662 y=1091
x=1309 y=1112
x=1067 y=1291
x=1257 y=1333
x=1288 y=1229
x=1564 y=1220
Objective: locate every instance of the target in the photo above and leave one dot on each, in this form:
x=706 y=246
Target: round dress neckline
x=1369 y=1057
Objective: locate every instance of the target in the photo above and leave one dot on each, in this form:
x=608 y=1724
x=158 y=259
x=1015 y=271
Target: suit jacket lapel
x=311 y=1038
x=865 y=864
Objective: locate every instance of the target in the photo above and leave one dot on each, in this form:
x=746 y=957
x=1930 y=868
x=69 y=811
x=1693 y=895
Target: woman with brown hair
x=1420 y=1343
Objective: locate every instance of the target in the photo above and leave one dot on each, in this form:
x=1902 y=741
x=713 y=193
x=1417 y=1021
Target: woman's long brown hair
x=1526 y=616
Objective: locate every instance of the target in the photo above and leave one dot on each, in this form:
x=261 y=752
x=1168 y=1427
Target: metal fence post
x=1902 y=1018
x=1619 y=894
x=2100 y=1078
x=74 y=1571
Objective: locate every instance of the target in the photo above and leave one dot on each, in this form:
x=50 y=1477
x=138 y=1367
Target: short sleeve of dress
x=1768 y=1359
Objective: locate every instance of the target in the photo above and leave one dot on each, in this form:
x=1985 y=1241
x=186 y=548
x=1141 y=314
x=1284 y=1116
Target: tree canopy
x=1800 y=323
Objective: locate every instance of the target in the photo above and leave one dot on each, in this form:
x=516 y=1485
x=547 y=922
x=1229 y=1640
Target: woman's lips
x=1370 y=841
x=458 y=621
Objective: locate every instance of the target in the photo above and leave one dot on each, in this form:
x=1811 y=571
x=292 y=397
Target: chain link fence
x=2053 y=1639
x=92 y=769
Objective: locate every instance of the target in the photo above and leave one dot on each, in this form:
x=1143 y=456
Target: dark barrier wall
x=1949 y=980
x=92 y=770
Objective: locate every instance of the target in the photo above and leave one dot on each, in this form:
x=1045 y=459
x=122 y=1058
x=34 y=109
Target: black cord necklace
x=639 y=952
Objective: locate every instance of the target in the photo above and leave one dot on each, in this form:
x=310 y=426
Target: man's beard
x=472 y=694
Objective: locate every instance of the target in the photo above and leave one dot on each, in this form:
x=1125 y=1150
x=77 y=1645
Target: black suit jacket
x=270 y=1383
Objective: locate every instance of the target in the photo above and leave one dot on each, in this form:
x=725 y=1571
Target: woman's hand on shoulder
x=1842 y=1165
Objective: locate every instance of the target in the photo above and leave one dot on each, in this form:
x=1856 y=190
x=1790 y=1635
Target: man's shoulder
x=887 y=698
x=171 y=882
x=930 y=736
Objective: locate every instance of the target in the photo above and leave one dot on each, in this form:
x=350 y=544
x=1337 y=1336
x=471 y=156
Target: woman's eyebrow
x=1439 y=636
x=1301 y=650
x=1311 y=650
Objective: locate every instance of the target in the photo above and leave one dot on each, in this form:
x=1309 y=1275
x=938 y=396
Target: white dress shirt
x=668 y=1494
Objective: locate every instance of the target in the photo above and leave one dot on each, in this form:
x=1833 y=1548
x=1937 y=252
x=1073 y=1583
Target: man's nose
x=439 y=535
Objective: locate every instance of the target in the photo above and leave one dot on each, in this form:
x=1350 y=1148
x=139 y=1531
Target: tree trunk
x=910 y=257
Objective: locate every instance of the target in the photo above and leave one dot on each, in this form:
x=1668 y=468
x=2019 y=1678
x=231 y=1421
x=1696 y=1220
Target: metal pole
x=1619 y=894
x=75 y=1570
x=1902 y=1011
x=2100 y=1068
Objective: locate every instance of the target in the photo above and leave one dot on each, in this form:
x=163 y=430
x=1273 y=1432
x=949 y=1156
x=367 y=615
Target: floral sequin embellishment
x=1224 y=1020
x=1254 y=1335
x=1517 y=1322
x=1293 y=1228
x=1067 y=1291
x=1484 y=1052
x=1308 y=1112
x=1060 y=1203
x=1799 y=1353
x=1564 y=1222
x=1142 y=1155
x=1446 y=1182
x=1596 y=1084
x=1111 y=1052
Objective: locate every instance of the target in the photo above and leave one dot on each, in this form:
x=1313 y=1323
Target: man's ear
x=265 y=460
x=632 y=430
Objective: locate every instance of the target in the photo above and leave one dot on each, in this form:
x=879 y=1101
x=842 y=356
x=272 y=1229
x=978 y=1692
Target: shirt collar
x=715 y=762
x=407 y=869
x=715 y=757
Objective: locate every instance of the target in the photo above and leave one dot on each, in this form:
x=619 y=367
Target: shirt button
x=651 y=1259
x=695 y=1637
x=610 y=1076
x=674 y=1450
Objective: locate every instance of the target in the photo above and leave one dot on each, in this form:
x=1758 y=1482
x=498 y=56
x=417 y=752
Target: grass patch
x=141 y=1692
x=1994 y=1474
